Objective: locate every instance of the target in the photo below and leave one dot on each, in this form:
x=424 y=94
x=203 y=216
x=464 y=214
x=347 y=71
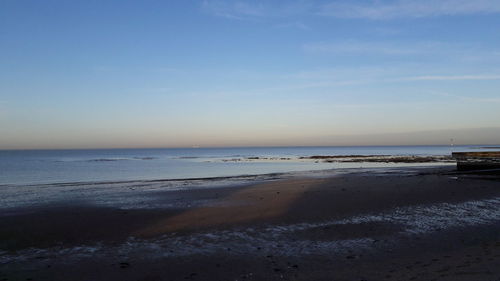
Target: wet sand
x=428 y=224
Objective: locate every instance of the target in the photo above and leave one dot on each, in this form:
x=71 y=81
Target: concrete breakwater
x=484 y=160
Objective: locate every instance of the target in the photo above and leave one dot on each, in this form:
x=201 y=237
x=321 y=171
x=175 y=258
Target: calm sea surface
x=60 y=166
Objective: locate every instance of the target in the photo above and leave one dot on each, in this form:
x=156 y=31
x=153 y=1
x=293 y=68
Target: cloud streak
x=383 y=10
x=471 y=99
x=255 y=10
x=352 y=9
x=463 y=52
x=235 y=10
x=298 y=25
x=360 y=47
x=330 y=78
x=453 y=77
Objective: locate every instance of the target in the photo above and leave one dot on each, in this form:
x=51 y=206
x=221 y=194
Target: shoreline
x=303 y=173
x=139 y=194
x=81 y=169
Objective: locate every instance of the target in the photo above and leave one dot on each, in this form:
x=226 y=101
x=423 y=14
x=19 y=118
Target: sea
x=29 y=167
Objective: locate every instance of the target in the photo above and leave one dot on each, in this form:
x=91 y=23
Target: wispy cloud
x=369 y=48
x=235 y=10
x=453 y=77
x=465 y=52
x=324 y=78
x=362 y=9
x=255 y=10
x=298 y=25
x=377 y=10
x=470 y=99
x=138 y=69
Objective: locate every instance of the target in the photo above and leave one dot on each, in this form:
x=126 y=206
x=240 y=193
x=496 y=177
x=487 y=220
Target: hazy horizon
x=471 y=136
x=218 y=73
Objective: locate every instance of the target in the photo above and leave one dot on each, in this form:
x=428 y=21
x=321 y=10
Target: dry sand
x=427 y=225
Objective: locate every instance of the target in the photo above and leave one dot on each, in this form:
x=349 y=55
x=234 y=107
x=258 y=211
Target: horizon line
x=252 y=146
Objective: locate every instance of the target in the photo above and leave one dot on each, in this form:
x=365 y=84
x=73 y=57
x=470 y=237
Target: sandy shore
x=427 y=224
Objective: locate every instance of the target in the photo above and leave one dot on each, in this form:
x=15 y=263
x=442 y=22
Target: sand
x=426 y=224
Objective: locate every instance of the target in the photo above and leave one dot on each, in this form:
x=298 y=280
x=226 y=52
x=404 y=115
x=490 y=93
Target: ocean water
x=107 y=165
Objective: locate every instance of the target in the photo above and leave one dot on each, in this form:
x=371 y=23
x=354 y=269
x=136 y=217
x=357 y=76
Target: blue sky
x=81 y=74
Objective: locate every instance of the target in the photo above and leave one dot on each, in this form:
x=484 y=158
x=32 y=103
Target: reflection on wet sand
x=422 y=225
x=257 y=202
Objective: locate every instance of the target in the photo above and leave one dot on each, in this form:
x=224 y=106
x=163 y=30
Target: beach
x=245 y=140
x=378 y=224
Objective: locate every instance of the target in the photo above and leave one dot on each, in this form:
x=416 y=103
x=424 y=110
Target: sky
x=100 y=73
